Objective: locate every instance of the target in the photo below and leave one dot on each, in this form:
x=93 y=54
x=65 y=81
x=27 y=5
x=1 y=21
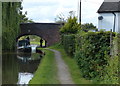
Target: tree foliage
x=24 y=19
x=11 y=18
x=88 y=26
x=71 y=27
x=60 y=19
x=10 y=24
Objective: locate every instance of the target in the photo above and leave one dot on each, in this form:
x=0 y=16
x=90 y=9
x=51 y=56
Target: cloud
x=89 y=11
x=35 y=3
x=41 y=12
x=47 y=10
x=45 y=21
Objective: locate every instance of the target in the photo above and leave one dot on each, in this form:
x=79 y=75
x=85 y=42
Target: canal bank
x=47 y=70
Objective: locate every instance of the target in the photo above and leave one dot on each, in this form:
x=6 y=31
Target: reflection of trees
x=9 y=69
x=28 y=62
x=29 y=66
x=11 y=65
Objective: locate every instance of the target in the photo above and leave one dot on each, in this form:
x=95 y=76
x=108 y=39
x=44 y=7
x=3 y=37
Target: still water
x=19 y=68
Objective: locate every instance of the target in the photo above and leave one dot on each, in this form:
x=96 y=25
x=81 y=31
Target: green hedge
x=110 y=72
x=91 y=53
x=68 y=42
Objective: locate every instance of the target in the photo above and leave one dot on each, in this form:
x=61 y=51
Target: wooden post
x=111 y=50
x=118 y=40
x=0 y=43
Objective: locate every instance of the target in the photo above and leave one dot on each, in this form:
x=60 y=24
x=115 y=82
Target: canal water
x=19 y=68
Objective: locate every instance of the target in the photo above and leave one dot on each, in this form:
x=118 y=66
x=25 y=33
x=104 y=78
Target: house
x=109 y=15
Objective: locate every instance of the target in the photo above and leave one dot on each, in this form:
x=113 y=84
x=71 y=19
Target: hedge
x=111 y=72
x=68 y=42
x=92 y=53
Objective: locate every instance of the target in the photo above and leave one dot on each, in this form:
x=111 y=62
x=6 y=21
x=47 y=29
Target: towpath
x=63 y=71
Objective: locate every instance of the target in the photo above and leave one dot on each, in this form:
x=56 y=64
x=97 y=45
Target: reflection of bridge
x=47 y=31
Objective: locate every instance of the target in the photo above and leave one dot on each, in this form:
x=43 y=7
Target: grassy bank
x=37 y=43
x=47 y=70
x=73 y=67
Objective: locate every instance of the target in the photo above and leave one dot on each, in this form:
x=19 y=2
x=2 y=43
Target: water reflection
x=9 y=68
x=24 y=78
x=19 y=67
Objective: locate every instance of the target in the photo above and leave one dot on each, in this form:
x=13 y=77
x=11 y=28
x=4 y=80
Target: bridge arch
x=47 y=31
x=31 y=37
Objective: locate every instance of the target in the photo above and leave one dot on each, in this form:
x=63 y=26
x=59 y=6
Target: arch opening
x=33 y=40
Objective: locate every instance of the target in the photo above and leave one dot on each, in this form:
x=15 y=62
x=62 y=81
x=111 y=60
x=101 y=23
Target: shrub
x=88 y=27
x=68 y=42
x=71 y=27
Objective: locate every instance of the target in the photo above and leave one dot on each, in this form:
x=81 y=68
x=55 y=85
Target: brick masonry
x=47 y=31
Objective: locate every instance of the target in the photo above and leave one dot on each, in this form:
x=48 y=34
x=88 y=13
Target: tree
x=11 y=18
x=24 y=19
x=10 y=24
x=88 y=26
x=72 y=13
x=71 y=27
x=60 y=18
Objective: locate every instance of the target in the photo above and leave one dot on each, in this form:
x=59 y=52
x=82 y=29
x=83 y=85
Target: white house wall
x=116 y=23
x=107 y=22
x=119 y=22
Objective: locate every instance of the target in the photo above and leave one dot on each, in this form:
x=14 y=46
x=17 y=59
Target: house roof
x=108 y=7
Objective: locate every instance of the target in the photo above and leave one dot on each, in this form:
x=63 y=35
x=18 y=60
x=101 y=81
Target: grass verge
x=73 y=67
x=47 y=70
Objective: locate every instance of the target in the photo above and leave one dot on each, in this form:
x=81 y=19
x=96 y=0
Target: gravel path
x=63 y=73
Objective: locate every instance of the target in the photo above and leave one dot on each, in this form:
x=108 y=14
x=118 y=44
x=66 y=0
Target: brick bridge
x=48 y=31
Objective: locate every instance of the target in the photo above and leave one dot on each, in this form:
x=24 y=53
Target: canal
x=18 y=67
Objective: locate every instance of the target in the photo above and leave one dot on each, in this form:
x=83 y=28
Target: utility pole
x=80 y=13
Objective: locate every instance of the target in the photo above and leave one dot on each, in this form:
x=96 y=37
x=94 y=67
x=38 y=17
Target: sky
x=45 y=11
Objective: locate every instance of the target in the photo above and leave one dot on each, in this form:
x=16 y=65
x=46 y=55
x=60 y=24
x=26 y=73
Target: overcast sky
x=47 y=10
